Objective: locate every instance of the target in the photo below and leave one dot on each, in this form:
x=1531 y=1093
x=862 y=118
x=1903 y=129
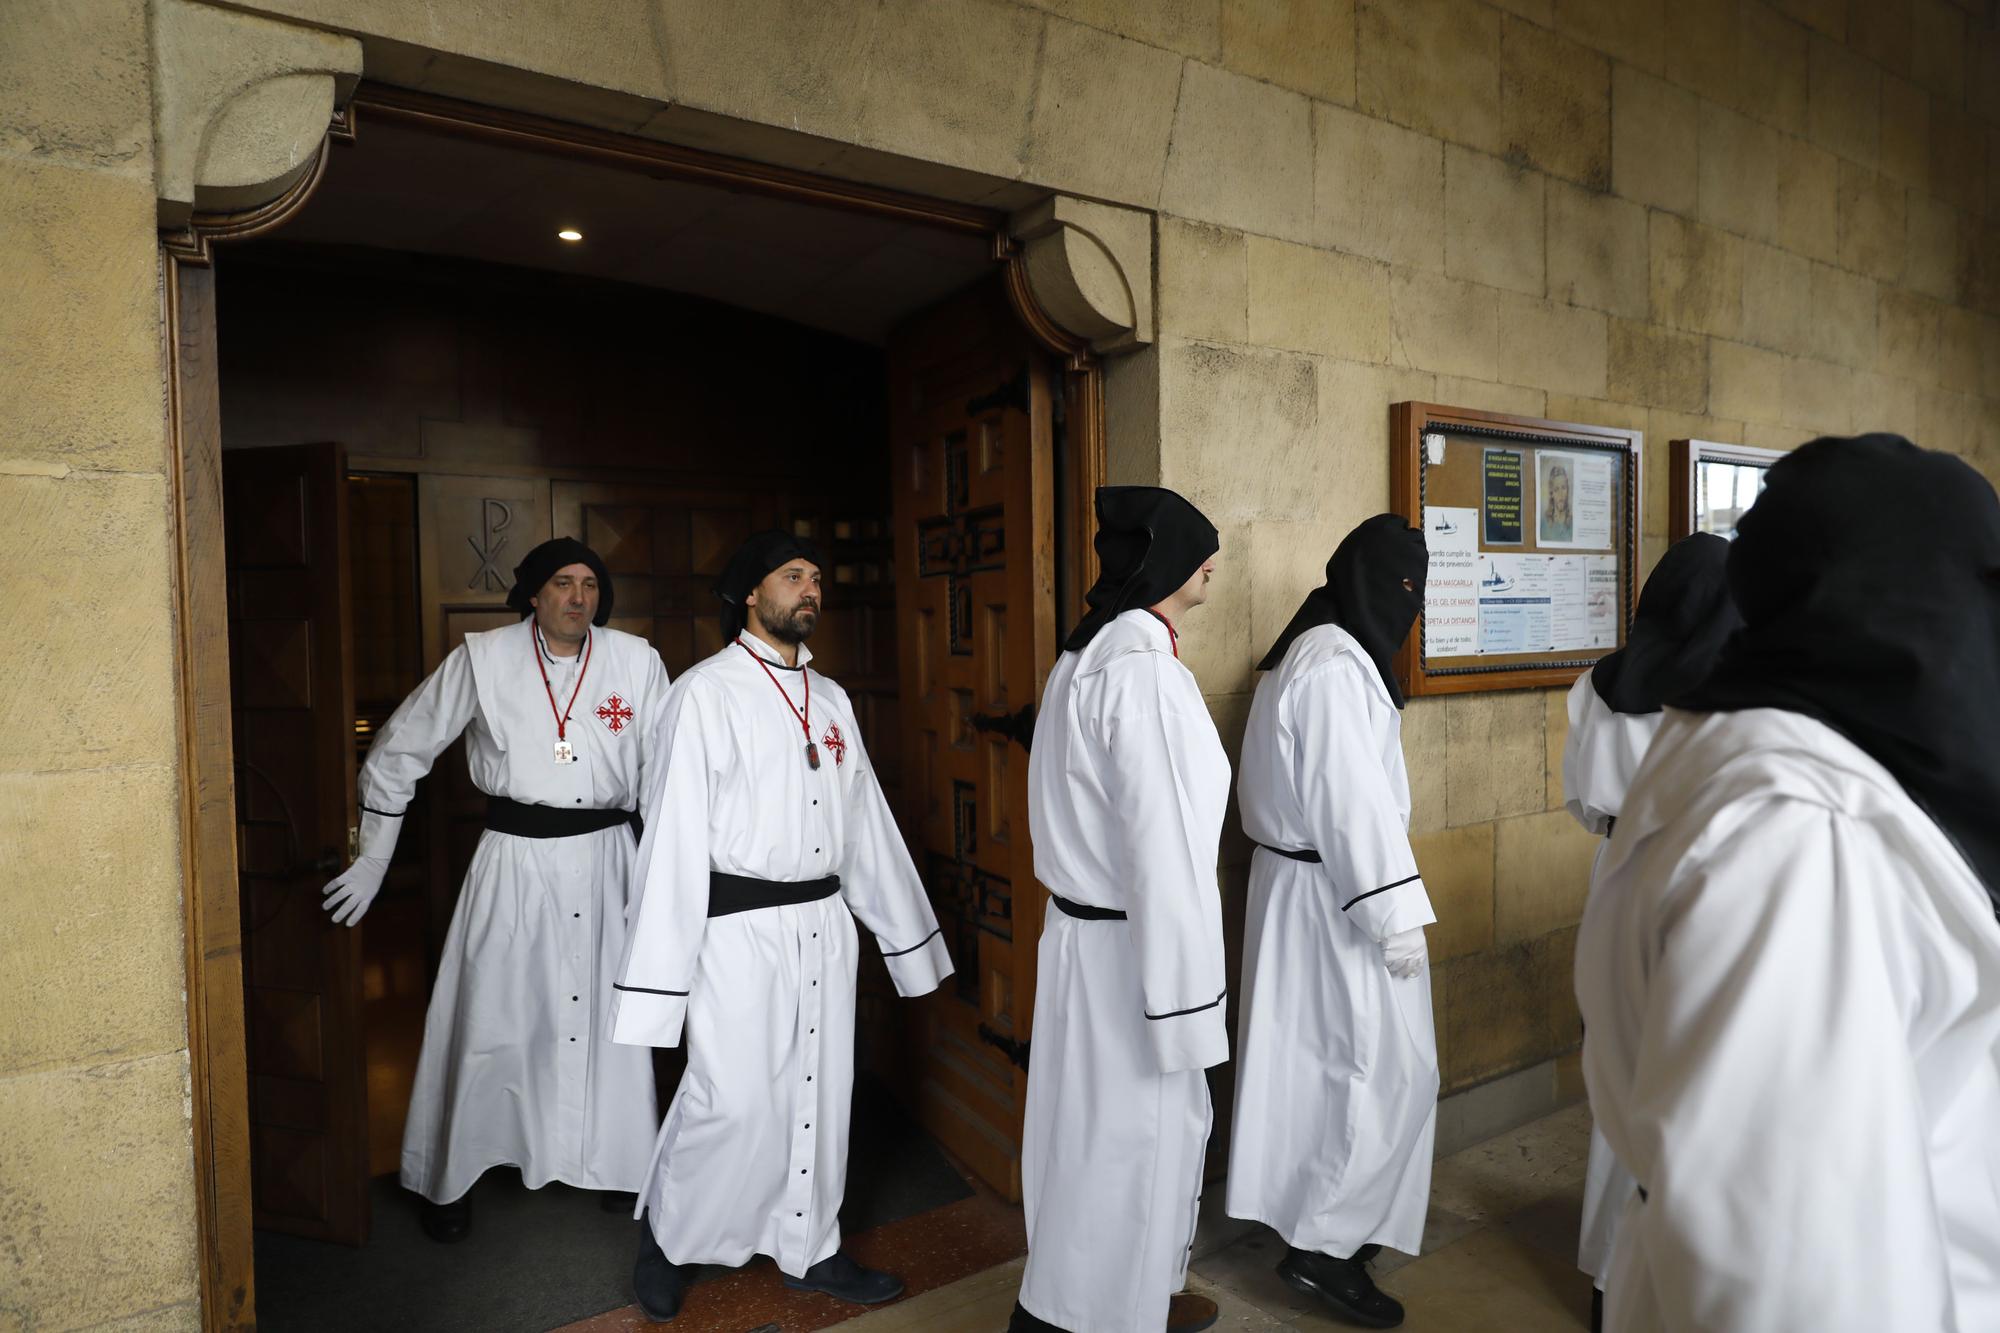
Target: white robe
x=517 y=1067
x=1127 y=782
x=1337 y=1070
x=1792 y=985
x=752 y=1158
x=1599 y=758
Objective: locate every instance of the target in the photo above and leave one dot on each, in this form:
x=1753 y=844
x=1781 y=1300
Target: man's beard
x=792 y=626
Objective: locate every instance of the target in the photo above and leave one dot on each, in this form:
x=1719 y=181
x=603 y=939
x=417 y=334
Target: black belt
x=730 y=894
x=551 y=821
x=1306 y=855
x=1083 y=911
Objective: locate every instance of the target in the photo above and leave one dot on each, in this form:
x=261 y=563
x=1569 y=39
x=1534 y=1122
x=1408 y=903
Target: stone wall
x=1730 y=219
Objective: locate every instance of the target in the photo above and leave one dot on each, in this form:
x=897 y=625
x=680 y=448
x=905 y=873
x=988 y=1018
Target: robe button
x=573 y=997
x=579 y=800
x=798 y=1214
x=578 y=915
x=572 y=1038
x=809 y=1032
x=809 y=1077
x=808 y=1124
x=802 y=1170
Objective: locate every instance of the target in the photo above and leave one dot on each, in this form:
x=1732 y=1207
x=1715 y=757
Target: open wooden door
x=292 y=700
x=974 y=486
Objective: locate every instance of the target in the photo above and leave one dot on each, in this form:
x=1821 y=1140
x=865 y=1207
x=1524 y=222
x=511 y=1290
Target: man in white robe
x=1337 y=1072
x=1790 y=969
x=1127 y=781
x=560 y=717
x=767 y=838
x=1683 y=618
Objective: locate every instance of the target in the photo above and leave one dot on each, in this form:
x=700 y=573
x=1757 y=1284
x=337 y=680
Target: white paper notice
x=1573 y=509
x=1451 y=592
x=1516 y=596
x=1569 y=615
x=1601 y=600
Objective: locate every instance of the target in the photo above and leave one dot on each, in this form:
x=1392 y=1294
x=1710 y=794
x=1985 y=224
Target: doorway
x=707 y=362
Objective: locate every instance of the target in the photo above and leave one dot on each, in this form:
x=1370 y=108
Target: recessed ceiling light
x=569 y=234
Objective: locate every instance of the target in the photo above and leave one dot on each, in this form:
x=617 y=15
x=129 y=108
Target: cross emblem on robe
x=614 y=713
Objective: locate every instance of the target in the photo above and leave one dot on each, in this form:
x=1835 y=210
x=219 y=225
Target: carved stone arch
x=1089 y=269
x=242 y=107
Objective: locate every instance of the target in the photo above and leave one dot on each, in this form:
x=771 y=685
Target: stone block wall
x=1748 y=220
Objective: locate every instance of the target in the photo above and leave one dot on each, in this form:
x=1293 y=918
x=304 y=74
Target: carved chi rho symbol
x=960 y=542
x=494 y=517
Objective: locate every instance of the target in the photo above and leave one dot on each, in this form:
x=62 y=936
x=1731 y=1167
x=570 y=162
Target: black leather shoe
x=840 y=1277
x=1025 y=1322
x=1596 y=1311
x=659 y=1283
x=1343 y=1286
x=447 y=1223
x=1366 y=1254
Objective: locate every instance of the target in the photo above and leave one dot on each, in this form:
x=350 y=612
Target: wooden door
x=972 y=463
x=291 y=696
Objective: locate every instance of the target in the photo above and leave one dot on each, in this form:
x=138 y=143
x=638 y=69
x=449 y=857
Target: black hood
x=746 y=569
x=1685 y=615
x=540 y=565
x=1364 y=594
x=1149 y=542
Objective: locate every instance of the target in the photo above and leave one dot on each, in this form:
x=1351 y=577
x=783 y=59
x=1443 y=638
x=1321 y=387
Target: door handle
x=1018 y=727
x=1015 y=1051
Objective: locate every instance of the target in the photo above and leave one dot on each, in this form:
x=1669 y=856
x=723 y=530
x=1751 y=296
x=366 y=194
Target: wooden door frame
x=214 y=963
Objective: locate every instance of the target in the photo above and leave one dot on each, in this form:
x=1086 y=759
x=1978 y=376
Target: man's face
x=787 y=603
x=1195 y=591
x=567 y=603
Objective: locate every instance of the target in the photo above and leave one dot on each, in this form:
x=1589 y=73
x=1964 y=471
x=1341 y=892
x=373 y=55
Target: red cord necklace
x=805 y=718
x=1173 y=639
x=565 y=752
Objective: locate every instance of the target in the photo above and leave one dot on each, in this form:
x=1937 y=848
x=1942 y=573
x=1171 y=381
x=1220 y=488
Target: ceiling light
x=569 y=234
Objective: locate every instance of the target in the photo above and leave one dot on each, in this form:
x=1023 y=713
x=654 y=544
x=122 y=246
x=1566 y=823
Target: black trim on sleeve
x=1384 y=889
x=647 y=990
x=1181 y=1013
x=914 y=947
x=384 y=813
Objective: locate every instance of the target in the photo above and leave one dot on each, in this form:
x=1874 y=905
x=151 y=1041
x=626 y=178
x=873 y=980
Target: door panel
x=975 y=541
x=285 y=526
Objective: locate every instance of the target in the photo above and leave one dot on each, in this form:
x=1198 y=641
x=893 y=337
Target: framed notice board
x=1712 y=484
x=1533 y=530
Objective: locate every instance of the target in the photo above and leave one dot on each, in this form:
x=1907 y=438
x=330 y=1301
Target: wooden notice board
x=1533 y=530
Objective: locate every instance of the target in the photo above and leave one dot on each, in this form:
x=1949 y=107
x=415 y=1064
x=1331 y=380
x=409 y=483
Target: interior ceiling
x=401 y=189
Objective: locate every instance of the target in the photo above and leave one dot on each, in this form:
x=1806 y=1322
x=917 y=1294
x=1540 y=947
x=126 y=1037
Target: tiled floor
x=1499 y=1255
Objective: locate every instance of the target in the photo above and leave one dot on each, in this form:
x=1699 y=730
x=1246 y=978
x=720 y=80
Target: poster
x=1573 y=501
x=1601 y=600
x=1569 y=610
x=1451 y=591
x=1502 y=490
x=1515 y=603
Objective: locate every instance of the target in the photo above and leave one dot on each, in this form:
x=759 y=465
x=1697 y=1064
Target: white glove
x=1405 y=954
x=349 y=894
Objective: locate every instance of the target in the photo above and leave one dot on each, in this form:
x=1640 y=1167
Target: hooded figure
x=1684 y=617
x=1336 y=1090
x=540 y=565
x=1127 y=781
x=768 y=841
x=1789 y=966
x=560 y=717
x=755 y=559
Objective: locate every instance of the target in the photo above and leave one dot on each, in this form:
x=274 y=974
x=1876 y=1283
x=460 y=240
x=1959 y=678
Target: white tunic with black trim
x=1337 y=1071
x=752 y=1158
x=1791 y=980
x=1127 y=782
x=517 y=1066
x=1600 y=758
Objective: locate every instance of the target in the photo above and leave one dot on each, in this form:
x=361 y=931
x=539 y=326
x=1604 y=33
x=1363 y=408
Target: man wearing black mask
x=1336 y=1093
x=1789 y=966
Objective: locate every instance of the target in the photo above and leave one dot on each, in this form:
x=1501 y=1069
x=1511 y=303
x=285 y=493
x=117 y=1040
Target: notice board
x=1533 y=532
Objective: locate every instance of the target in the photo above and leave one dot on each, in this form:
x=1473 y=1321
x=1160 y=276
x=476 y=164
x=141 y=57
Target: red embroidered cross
x=614 y=713
x=834 y=744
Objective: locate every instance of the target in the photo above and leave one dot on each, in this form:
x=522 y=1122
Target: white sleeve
x=652 y=736
x=1776 y=1122
x=1355 y=823
x=880 y=885
x=423 y=726
x=667 y=904
x=1173 y=901
x=1584 y=783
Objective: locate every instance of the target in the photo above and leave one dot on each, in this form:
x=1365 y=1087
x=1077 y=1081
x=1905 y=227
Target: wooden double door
x=941 y=626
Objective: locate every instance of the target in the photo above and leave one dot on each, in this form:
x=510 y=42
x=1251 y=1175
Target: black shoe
x=1189 y=1313
x=1596 y=1311
x=613 y=1201
x=1024 y=1322
x=840 y=1277
x=658 y=1282
x=447 y=1223
x=1366 y=1254
x=1343 y=1285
